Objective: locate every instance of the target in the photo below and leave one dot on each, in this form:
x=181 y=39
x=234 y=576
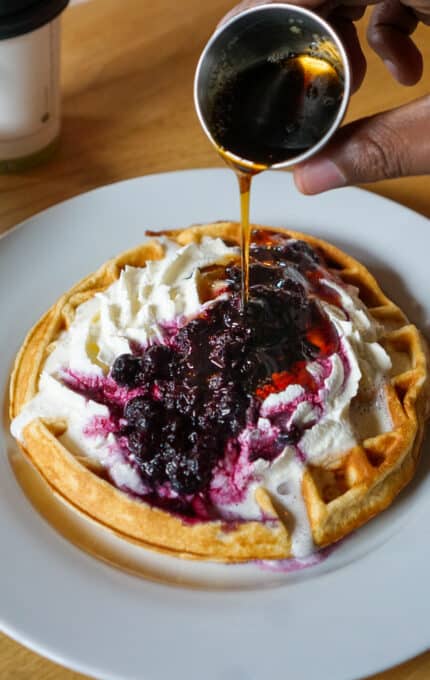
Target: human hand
x=390 y=27
x=391 y=144
x=395 y=143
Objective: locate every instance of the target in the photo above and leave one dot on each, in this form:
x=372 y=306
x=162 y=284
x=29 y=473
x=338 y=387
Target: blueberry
x=262 y=274
x=137 y=408
x=290 y=437
x=152 y=468
x=234 y=277
x=185 y=474
x=294 y=288
x=262 y=254
x=299 y=252
x=156 y=362
x=201 y=386
x=136 y=443
x=185 y=400
x=126 y=370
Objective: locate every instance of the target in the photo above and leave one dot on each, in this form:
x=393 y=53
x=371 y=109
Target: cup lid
x=13 y=6
x=23 y=16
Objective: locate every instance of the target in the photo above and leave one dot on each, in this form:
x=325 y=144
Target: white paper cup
x=29 y=81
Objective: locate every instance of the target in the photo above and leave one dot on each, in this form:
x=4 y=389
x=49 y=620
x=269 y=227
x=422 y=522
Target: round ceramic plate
x=363 y=608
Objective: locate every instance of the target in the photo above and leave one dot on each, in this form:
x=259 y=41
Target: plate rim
x=350 y=189
x=27 y=640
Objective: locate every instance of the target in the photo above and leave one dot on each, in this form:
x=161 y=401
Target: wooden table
x=128 y=110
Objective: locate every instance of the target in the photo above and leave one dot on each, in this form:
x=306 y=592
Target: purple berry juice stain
x=180 y=407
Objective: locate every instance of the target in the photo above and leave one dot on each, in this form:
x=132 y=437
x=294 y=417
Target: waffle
x=339 y=497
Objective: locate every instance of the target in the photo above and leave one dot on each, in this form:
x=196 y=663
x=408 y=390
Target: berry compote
x=192 y=394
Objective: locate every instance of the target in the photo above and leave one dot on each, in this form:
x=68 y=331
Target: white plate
x=365 y=608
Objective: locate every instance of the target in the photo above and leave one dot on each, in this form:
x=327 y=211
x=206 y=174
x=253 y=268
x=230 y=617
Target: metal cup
x=268 y=32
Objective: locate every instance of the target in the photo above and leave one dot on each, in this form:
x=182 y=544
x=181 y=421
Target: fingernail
x=391 y=66
x=317 y=176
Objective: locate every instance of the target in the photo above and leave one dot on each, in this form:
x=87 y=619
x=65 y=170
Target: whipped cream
x=136 y=309
x=133 y=310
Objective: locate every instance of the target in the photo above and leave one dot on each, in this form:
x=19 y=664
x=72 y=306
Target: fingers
x=351 y=12
x=348 y=35
x=388 y=33
x=391 y=144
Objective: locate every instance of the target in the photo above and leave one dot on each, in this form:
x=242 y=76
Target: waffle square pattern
x=158 y=415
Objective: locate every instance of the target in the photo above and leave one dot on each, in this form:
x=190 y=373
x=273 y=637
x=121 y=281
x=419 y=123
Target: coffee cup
x=29 y=81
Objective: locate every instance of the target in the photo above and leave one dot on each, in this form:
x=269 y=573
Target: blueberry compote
x=204 y=384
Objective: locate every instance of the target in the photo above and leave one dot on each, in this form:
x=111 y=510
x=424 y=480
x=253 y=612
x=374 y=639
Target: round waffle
x=339 y=498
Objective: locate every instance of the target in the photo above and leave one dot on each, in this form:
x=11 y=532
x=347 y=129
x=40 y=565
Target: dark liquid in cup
x=275 y=110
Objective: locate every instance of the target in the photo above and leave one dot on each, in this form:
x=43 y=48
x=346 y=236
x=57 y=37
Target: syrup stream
x=244 y=180
x=270 y=112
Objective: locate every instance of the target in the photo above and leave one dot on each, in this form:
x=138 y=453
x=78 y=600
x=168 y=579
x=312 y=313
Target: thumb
x=391 y=144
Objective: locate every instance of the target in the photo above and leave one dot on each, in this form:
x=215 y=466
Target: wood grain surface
x=127 y=110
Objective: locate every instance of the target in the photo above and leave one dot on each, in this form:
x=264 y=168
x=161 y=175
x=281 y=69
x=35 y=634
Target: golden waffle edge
x=338 y=500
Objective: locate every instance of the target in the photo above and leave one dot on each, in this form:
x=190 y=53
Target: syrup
x=272 y=111
x=244 y=180
x=177 y=409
